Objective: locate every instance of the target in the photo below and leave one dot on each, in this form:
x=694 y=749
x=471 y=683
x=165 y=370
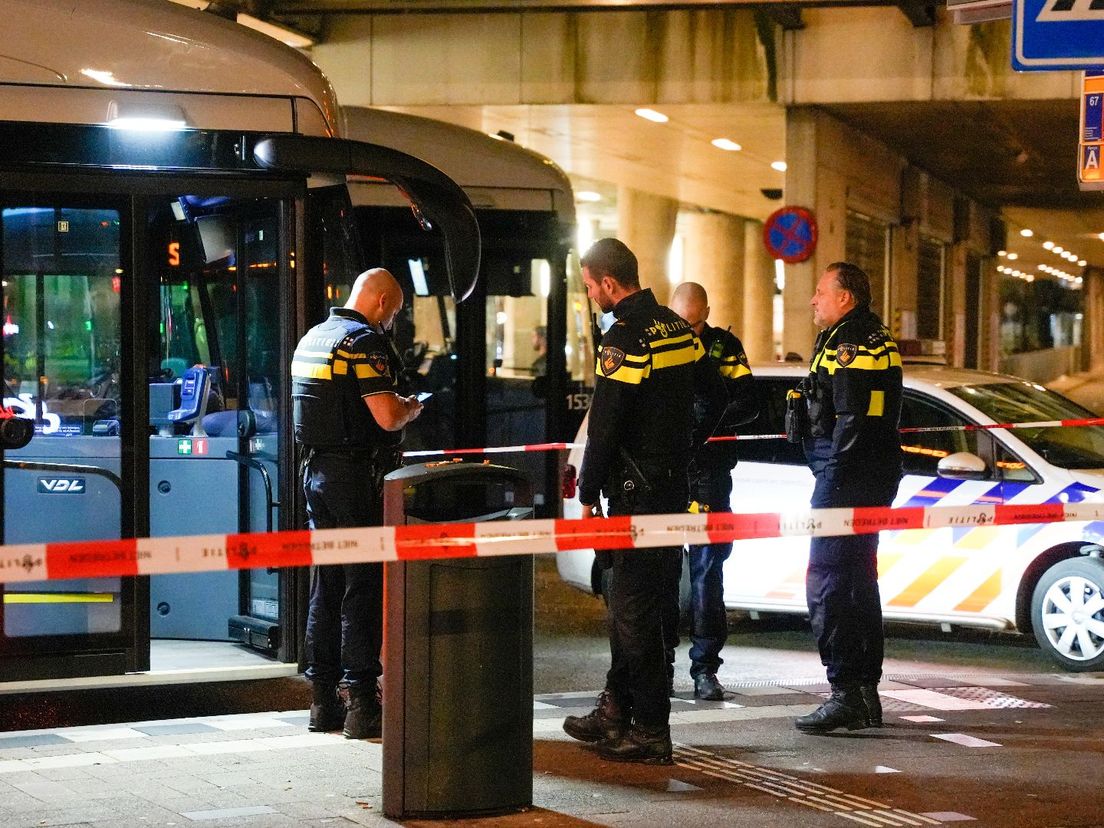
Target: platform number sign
x=1057 y=34
x=1091 y=140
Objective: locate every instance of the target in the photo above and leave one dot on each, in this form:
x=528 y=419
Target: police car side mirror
x=963 y=465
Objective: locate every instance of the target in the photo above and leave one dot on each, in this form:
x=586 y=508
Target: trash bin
x=458 y=664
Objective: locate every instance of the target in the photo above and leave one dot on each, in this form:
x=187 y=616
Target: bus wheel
x=1067 y=613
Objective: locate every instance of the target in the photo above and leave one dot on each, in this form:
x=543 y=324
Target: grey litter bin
x=458 y=664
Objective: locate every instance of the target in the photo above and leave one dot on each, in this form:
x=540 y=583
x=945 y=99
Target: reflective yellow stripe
x=58 y=598
x=637 y=359
x=877 y=404
x=671 y=359
x=348 y=355
x=341 y=367
x=734 y=371
x=674 y=340
x=628 y=374
x=309 y=370
x=864 y=362
x=366 y=371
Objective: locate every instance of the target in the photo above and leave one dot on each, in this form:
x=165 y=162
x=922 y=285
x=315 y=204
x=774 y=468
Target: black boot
x=647 y=745
x=845 y=708
x=608 y=720
x=363 y=711
x=872 y=703
x=707 y=687
x=326 y=711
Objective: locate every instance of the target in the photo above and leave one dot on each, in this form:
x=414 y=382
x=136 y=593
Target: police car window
x=1068 y=447
x=771 y=420
x=923 y=451
x=1010 y=467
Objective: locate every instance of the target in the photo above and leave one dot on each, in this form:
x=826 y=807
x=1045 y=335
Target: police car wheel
x=1067 y=613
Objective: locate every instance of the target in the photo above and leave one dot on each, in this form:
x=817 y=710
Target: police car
x=1042 y=578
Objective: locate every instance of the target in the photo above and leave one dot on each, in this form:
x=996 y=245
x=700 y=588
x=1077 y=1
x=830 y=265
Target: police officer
x=349 y=422
x=711 y=486
x=853 y=397
x=639 y=441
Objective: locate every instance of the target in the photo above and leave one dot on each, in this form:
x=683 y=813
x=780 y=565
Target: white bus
x=514 y=364
x=172 y=194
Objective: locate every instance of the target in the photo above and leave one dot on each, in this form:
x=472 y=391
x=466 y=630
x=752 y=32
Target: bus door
x=509 y=366
x=63 y=263
x=145 y=335
x=216 y=387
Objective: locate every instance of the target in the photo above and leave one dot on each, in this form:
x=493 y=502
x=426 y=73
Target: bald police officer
x=853 y=394
x=349 y=421
x=711 y=486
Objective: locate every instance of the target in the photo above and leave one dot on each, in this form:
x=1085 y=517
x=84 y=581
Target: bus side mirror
x=437 y=200
x=15 y=432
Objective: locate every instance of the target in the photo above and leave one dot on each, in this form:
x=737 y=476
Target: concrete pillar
x=713 y=255
x=990 y=352
x=902 y=278
x=1092 y=321
x=798 y=332
x=757 y=332
x=955 y=318
x=646 y=223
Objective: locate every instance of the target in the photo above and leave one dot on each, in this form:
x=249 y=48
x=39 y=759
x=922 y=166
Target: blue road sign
x=1057 y=34
x=790 y=234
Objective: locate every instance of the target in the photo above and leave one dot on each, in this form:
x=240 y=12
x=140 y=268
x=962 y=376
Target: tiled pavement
x=265 y=769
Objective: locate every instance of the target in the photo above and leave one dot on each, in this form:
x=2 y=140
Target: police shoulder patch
x=846 y=352
x=379 y=363
x=611 y=359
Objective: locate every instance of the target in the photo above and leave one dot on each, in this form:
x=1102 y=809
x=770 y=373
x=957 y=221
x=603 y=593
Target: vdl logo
x=61 y=485
x=1067 y=11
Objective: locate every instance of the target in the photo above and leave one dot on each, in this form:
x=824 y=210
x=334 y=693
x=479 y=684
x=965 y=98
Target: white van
x=1045 y=578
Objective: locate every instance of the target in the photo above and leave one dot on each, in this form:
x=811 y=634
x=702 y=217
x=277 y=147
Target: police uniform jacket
x=725 y=355
x=853 y=394
x=647 y=367
x=336 y=365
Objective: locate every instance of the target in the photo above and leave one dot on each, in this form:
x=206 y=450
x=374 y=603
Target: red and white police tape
x=1087 y=421
x=202 y=553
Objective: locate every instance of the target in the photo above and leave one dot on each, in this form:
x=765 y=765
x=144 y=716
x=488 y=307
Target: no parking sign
x=790 y=234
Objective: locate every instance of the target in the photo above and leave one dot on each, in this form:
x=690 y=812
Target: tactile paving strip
x=989 y=698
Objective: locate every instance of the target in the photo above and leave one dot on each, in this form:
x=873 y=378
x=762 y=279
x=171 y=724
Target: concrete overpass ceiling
x=1010 y=152
x=676 y=159
x=1018 y=155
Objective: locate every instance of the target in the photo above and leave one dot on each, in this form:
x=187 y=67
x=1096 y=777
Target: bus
x=514 y=364
x=173 y=204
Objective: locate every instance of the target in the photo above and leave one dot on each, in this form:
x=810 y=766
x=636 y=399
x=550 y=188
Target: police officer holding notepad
x=349 y=421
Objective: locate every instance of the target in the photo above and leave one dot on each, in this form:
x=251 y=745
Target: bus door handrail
x=271 y=503
x=72 y=468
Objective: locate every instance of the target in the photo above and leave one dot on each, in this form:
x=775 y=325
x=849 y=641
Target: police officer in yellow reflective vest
x=711 y=486
x=640 y=439
x=349 y=422
x=853 y=397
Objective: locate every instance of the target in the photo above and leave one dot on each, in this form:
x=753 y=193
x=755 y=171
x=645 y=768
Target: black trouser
x=841 y=585
x=345 y=620
x=643 y=591
x=710 y=485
